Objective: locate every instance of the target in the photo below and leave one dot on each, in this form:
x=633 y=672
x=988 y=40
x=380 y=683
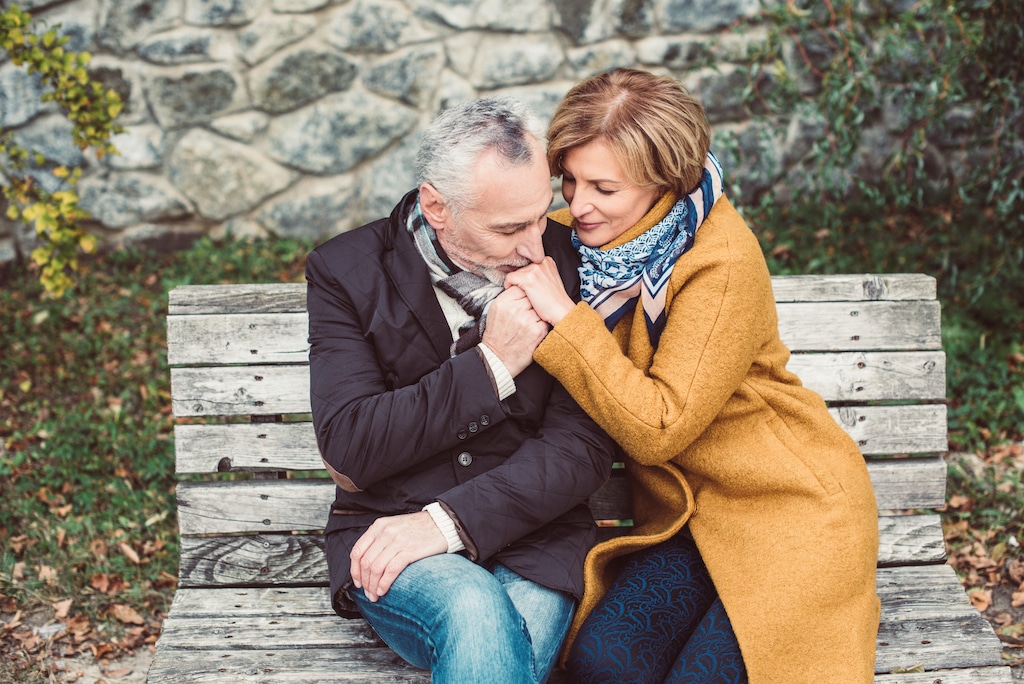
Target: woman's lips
x=586 y=227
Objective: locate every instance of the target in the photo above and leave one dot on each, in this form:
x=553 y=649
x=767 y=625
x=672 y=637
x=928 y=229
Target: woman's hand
x=543 y=286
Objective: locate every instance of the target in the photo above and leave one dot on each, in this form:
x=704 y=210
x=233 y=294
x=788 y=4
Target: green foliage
x=92 y=111
x=943 y=78
x=86 y=457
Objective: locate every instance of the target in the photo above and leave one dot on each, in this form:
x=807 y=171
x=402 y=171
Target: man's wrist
x=446 y=525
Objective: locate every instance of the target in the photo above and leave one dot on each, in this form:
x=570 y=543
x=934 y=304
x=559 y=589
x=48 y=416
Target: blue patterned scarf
x=612 y=280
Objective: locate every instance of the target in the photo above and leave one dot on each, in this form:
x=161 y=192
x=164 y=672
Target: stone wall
x=301 y=117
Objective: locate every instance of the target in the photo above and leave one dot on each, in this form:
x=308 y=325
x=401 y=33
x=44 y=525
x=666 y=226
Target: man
x=459 y=527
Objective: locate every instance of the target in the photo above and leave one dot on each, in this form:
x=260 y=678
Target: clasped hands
x=519 y=318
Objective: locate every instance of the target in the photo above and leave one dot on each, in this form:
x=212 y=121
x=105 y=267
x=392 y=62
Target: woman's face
x=604 y=203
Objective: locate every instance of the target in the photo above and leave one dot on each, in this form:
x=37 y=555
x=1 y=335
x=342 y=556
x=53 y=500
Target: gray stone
x=749 y=157
x=736 y=44
x=126 y=23
x=291 y=80
x=186 y=45
x=76 y=21
x=590 y=21
x=507 y=60
x=453 y=89
x=388 y=178
x=125 y=199
x=221 y=12
x=495 y=15
x=721 y=91
x=268 y=34
x=19 y=96
x=139 y=147
x=375 y=26
x=298 y=5
x=595 y=59
x=125 y=78
x=223 y=177
x=671 y=51
x=50 y=136
x=678 y=16
x=8 y=250
x=239 y=229
x=801 y=134
x=338 y=132
x=542 y=99
x=175 y=235
x=410 y=76
x=316 y=208
x=242 y=127
x=193 y=95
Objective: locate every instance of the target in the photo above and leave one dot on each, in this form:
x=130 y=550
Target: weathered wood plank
x=255 y=506
x=853 y=287
x=273 y=559
x=881 y=430
x=249 y=338
x=926 y=619
x=873 y=376
x=291 y=297
x=852 y=326
x=376 y=666
x=228 y=299
x=243 y=338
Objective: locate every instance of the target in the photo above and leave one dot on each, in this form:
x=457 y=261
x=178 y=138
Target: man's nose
x=532 y=244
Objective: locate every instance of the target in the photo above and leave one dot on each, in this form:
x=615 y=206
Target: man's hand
x=543 y=287
x=514 y=330
x=389 y=545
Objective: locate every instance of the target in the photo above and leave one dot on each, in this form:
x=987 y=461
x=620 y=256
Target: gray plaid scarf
x=474 y=293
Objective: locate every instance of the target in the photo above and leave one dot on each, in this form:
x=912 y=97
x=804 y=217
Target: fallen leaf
x=98 y=548
x=980 y=598
x=47 y=574
x=62 y=608
x=118 y=673
x=100 y=582
x=126 y=614
x=129 y=552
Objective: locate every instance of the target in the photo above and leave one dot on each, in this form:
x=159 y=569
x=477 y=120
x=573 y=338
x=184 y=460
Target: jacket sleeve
x=552 y=472
x=366 y=430
x=721 y=308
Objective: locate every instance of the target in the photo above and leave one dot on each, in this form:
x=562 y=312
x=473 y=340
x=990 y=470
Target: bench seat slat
x=298 y=559
x=932 y=624
x=301 y=505
x=212 y=339
x=291 y=297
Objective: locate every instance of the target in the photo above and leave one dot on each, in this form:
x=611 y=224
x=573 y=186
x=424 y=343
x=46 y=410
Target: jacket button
x=463 y=434
x=473 y=427
x=465 y=458
x=485 y=420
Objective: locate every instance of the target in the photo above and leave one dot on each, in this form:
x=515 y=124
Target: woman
x=756 y=535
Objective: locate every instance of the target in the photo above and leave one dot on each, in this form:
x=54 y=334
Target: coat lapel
x=408 y=274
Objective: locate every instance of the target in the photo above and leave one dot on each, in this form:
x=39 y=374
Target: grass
x=86 y=457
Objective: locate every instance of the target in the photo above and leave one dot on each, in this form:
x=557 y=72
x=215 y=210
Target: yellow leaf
x=61 y=172
x=87 y=243
x=49 y=37
x=115 y=109
x=25 y=385
x=12 y=212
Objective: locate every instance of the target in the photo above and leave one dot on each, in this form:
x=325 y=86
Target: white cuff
x=502 y=378
x=445 y=523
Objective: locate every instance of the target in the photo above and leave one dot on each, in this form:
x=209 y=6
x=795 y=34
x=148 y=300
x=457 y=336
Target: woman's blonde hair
x=657 y=131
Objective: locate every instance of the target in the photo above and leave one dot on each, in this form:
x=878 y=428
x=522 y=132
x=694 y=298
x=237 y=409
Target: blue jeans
x=466 y=624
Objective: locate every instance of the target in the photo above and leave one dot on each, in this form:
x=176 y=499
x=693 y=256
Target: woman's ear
x=433 y=207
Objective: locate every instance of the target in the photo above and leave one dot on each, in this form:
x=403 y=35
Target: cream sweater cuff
x=446 y=525
x=502 y=378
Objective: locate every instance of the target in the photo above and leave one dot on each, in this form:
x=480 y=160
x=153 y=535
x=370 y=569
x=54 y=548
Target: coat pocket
x=810 y=460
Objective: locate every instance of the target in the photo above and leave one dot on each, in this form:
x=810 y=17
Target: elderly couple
x=478 y=364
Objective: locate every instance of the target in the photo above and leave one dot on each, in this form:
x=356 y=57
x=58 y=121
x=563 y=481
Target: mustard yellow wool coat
x=719 y=435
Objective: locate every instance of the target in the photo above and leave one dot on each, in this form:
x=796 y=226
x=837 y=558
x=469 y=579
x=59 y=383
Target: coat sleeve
x=721 y=308
x=365 y=430
x=555 y=470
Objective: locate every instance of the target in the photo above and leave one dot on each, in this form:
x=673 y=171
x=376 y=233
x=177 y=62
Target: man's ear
x=433 y=207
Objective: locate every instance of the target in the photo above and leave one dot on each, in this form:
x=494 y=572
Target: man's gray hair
x=457 y=138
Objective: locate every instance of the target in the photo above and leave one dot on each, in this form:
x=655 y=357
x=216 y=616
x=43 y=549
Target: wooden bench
x=252 y=601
